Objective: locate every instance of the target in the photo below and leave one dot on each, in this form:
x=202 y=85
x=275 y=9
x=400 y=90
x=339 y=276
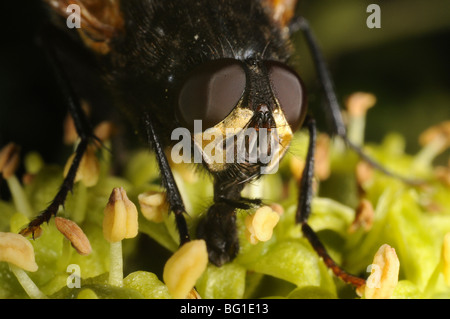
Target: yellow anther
x=438 y=135
x=9 y=160
x=364 y=216
x=17 y=250
x=260 y=225
x=153 y=205
x=104 y=130
x=359 y=102
x=121 y=217
x=384 y=274
x=446 y=258
x=89 y=169
x=183 y=269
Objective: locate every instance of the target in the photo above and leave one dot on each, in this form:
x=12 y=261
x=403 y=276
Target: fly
x=168 y=64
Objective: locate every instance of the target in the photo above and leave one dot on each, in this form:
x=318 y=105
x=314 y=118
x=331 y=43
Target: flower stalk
x=120 y=221
x=357 y=105
x=115 y=264
x=434 y=141
x=27 y=284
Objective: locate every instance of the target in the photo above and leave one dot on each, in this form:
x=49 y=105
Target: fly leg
x=173 y=194
x=83 y=129
x=333 y=107
x=304 y=210
x=300 y=23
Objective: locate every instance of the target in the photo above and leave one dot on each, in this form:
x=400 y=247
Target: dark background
x=405 y=64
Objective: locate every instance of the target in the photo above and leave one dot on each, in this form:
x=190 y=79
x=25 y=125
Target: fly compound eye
x=211 y=92
x=288 y=89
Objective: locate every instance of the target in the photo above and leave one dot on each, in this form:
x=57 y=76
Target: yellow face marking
x=284 y=134
x=213 y=142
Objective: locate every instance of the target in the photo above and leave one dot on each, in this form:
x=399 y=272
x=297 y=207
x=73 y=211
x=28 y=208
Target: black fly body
x=167 y=64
